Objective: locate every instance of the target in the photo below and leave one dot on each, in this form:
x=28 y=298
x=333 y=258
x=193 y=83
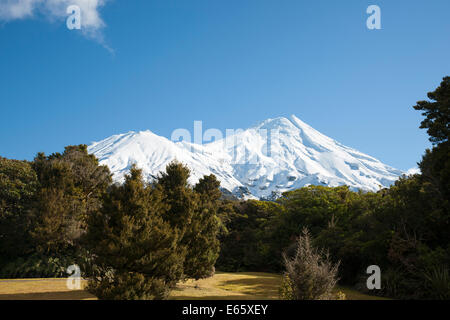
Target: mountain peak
x=251 y=163
x=274 y=123
x=283 y=123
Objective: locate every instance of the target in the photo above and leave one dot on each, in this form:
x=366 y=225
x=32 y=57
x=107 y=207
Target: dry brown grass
x=41 y=289
x=223 y=286
x=229 y=286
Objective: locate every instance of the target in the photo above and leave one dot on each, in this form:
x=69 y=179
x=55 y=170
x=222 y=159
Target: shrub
x=310 y=274
x=129 y=286
x=37 y=266
x=437 y=282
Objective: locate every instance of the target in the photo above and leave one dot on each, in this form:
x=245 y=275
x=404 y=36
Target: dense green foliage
x=395 y=229
x=18 y=185
x=133 y=241
x=248 y=241
x=44 y=206
x=146 y=238
x=70 y=188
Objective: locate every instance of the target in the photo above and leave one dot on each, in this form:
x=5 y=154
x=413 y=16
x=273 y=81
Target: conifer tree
x=70 y=188
x=435 y=164
x=180 y=200
x=177 y=195
x=202 y=236
x=134 y=252
x=437 y=113
x=193 y=213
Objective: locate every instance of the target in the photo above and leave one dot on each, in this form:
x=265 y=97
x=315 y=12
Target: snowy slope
x=261 y=162
x=152 y=153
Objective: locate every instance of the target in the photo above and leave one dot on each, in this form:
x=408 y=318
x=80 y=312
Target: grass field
x=223 y=286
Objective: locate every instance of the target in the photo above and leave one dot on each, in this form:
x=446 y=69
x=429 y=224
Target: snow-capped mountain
x=261 y=162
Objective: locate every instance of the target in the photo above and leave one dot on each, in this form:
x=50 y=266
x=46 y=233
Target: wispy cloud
x=55 y=10
x=17 y=9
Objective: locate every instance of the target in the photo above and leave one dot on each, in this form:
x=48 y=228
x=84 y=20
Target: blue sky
x=161 y=64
